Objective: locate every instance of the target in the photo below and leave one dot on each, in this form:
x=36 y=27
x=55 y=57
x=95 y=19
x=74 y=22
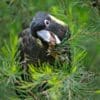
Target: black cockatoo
x=42 y=42
x=39 y=41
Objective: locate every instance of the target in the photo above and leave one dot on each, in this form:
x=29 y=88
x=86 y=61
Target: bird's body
x=42 y=42
x=32 y=50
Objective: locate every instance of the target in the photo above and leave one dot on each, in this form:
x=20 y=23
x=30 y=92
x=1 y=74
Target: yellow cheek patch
x=57 y=20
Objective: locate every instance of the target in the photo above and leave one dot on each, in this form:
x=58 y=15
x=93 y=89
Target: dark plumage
x=35 y=47
x=41 y=43
x=32 y=50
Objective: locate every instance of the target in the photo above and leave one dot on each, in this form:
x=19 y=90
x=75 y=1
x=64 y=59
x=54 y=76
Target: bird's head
x=48 y=29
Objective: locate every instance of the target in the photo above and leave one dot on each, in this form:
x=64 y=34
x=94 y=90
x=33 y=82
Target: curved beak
x=49 y=37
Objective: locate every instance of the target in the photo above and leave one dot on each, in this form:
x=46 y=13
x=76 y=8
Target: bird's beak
x=49 y=37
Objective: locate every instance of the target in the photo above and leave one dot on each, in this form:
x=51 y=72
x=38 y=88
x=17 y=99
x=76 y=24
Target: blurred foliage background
x=83 y=18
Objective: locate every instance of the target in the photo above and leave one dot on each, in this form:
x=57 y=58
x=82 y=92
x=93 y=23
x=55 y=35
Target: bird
x=41 y=41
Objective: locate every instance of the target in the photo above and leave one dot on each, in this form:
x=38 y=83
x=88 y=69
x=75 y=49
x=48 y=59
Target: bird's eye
x=46 y=22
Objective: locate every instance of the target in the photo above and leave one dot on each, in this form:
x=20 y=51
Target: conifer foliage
x=81 y=81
